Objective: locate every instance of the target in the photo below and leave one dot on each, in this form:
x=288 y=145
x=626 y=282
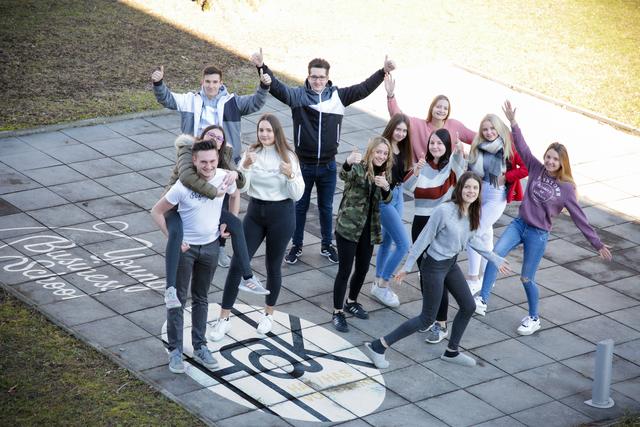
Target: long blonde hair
x=564 y=173
x=368 y=158
x=503 y=132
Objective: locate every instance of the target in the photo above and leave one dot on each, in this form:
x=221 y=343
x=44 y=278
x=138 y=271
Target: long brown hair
x=433 y=104
x=368 y=158
x=282 y=146
x=475 y=207
x=406 y=152
x=564 y=173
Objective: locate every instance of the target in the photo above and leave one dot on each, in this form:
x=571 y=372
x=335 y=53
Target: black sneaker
x=356 y=309
x=340 y=322
x=293 y=255
x=330 y=253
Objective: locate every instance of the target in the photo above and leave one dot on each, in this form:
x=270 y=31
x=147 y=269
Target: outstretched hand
x=389 y=64
x=509 y=112
x=257 y=58
x=605 y=253
x=354 y=157
x=265 y=79
x=389 y=84
x=158 y=74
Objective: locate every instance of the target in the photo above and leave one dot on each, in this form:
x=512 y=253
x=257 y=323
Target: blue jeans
x=534 y=241
x=324 y=177
x=393 y=232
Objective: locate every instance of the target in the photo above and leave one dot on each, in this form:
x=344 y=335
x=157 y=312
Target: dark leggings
x=361 y=251
x=437 y=278
x=419 y=222
x=275 y=222
x=174 y=242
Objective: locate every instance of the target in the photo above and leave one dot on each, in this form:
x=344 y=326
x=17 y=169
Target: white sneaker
x=224 y=260
x=385 y=295
x=220 y=329
x=528 y=326
x=378 y=359
x=254 y=286
x=265 y=324
x=474 y=286
x=171 y=298
x=481 y=307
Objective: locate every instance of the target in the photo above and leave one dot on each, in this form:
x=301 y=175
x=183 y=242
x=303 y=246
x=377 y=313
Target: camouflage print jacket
x=354 y=206
x=186 y=172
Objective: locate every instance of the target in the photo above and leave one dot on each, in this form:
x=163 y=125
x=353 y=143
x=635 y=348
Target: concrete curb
x=85 y=122
x=591 y=114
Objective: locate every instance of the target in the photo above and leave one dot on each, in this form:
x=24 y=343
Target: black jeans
x=361 y=251
x=437 y=278
x=275 y=222
x=174 y=242
x=198 y=264
x=420 y=222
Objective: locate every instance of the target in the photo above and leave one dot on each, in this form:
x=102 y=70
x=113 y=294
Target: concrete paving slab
x=596 y=329
x=90 y=133
x=81 y=190
x=622 y=369
x=475 y=410
x=551 y=414
x=62 y=215
x=512 y=356
x=53 y=175
x=623 y=406
x=403 y=416
x=73 y=153
x=556 y=380
x=116 y=146
x=561 y=310
x=100 y=167
x=630 y=351
x=111 y=331
x=12 y=181
x=557 y=343
x=37 y=198
x=29 y=159
x=508 y=394
x=602 y=299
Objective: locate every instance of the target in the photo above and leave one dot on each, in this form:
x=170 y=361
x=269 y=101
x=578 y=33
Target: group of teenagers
x=458 y=198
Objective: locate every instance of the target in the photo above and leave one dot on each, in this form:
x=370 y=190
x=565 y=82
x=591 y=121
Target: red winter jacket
x=515 y=172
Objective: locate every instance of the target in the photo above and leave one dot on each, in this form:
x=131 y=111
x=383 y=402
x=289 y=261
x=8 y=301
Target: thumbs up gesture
x=354 y=157
x=389 y=64
x=158 y=74
x=459 y=148
x=265 y=79
x=249 y=158
x=257 y=58
x=381 y=181
x=422 y=161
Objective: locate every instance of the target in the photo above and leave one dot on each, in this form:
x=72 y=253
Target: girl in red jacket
x=494 y=158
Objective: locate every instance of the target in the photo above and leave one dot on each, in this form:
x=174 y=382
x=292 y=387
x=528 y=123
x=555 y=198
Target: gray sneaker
x=224 y=260
x=204 y=357
x=436 y=333
x=254 y=286
x=171 y=298
x=176 y=365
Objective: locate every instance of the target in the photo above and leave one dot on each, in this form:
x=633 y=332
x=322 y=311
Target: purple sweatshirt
x=546 y=196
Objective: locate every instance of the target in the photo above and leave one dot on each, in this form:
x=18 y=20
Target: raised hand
x=354 y=157
x=389 y=84
x=158 y=74
x=285 y=169
x=509 y=112
x=422 y=161
x=381 y=181
x=249 y=158
x=459 y=144
x=257 y=58
x=389 y=64
x=265 y=79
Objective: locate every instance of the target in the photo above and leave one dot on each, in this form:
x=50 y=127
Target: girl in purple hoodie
x=550 y=189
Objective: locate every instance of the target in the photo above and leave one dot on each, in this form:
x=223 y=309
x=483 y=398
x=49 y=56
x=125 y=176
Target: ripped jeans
x=534 y=241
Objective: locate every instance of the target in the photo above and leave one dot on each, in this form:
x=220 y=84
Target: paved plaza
x=77 y=242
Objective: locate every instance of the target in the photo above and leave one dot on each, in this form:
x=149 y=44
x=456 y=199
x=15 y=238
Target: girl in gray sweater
x=452 y=226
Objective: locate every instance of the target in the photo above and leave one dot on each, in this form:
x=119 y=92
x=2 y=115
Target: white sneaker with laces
x=265 y=324
x=171 y=298
x=481 y=307
x=528 y=326
x=385 y=295
x=220 y=329
x=474 y=286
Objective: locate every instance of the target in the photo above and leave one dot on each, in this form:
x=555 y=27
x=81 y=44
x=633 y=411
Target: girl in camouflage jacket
x=366 y=183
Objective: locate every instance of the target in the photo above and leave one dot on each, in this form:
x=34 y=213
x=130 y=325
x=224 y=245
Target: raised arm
x=279 y=90
x=521 y=145
x=346 y=171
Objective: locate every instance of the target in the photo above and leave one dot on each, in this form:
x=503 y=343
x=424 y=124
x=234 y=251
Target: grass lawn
x=48 y=377
x=71 y=59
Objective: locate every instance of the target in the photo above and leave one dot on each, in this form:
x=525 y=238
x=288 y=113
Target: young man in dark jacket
x=317 y=109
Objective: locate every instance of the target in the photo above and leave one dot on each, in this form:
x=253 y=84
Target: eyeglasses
x=318 y=78
x=211 y=135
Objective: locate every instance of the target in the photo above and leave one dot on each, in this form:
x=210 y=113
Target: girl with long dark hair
x=451 y=228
